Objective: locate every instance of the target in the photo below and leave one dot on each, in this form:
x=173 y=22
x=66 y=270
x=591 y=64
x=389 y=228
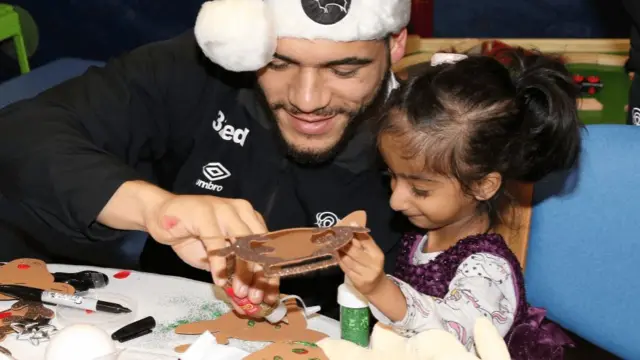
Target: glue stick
x=354 y=315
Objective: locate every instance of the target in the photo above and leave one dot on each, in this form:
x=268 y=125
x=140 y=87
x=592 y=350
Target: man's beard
x=355 y=119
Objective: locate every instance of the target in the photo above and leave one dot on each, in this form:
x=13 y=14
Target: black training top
x=633 y=8
x=166 y=114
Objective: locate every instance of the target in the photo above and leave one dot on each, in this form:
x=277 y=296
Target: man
x=269 y=134
x=633 y=64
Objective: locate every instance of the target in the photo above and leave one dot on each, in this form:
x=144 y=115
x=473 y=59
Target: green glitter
x=278 y=357
x=206 y=311
x=299 y=351
x=251 y=323
x=354 y=324
x=305 y=343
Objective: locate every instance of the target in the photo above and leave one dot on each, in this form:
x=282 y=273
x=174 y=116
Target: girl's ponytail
x=549 y=134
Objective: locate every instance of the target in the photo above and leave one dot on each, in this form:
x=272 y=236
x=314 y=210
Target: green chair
x=10 y=29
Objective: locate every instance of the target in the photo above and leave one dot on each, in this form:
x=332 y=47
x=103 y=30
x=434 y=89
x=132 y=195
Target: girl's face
x=430 y=201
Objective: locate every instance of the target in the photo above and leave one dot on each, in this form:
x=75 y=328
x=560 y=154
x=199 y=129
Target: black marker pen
x=55 y=298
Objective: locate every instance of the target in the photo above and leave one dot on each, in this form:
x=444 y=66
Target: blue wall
x=101 y=29
x=527 y=18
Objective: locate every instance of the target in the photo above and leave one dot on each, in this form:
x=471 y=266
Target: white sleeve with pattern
x=483 y=286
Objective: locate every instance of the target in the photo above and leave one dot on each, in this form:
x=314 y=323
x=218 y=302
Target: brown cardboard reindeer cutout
x=300 y=250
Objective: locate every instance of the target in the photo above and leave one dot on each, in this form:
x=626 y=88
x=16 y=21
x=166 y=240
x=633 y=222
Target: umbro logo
x=213 y=171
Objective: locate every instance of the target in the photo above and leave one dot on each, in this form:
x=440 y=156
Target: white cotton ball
x=236 y=34
x=81 y=342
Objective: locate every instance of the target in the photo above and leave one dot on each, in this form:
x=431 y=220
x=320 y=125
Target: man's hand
x=195 y=225
x=363 y=263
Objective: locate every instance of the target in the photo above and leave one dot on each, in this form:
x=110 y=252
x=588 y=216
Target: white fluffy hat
x=241 y=35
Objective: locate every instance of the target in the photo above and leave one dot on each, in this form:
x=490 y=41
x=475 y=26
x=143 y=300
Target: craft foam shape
x=433 y=344
x=22 y=311
x=300 y=250
x=32 y=273
x=289 y=350
x=232 y=325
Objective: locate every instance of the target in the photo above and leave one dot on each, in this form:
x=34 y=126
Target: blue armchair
x=583 y=258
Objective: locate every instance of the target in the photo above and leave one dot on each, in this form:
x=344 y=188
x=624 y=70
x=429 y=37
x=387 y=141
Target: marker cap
x=135 y=329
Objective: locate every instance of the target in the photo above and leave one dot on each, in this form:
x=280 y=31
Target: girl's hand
x=363 y=263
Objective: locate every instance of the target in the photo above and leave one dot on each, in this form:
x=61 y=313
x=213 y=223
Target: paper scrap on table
x=207 y=348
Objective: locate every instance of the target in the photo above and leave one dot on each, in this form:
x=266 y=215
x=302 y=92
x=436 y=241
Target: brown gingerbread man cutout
x=32 y=273
x=232 y=325
x=22 y=311
x=289 y=350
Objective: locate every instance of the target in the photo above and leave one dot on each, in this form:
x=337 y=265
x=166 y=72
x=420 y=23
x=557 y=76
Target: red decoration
x=23 y=266
x=122 y=274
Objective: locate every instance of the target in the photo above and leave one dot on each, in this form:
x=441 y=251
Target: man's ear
x=486 y=188
x=397 y=45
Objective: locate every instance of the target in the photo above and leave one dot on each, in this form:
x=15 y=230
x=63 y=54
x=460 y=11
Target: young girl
x=452 y=137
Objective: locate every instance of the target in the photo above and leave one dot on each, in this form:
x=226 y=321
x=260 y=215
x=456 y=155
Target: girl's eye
x=278 y=66
x=419 y=193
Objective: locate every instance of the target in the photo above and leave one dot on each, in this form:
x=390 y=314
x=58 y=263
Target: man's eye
x=278 y=65
x=344 y=73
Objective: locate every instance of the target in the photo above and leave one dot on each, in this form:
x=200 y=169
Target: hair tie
x=446 y=58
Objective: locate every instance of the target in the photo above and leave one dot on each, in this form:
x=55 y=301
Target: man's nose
x=308 y=92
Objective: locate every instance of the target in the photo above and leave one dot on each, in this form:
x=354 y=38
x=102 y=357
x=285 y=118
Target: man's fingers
x=192 y=252
x=243 y=278
x=251 y=218
x=237 y=308
x=272 y=290
x=261 y=219
x=217 y=264
x=209 y=231
x=257 y=289
x=231 y=222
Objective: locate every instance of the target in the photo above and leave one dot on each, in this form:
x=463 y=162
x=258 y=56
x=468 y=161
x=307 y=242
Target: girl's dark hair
x=514 y=114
